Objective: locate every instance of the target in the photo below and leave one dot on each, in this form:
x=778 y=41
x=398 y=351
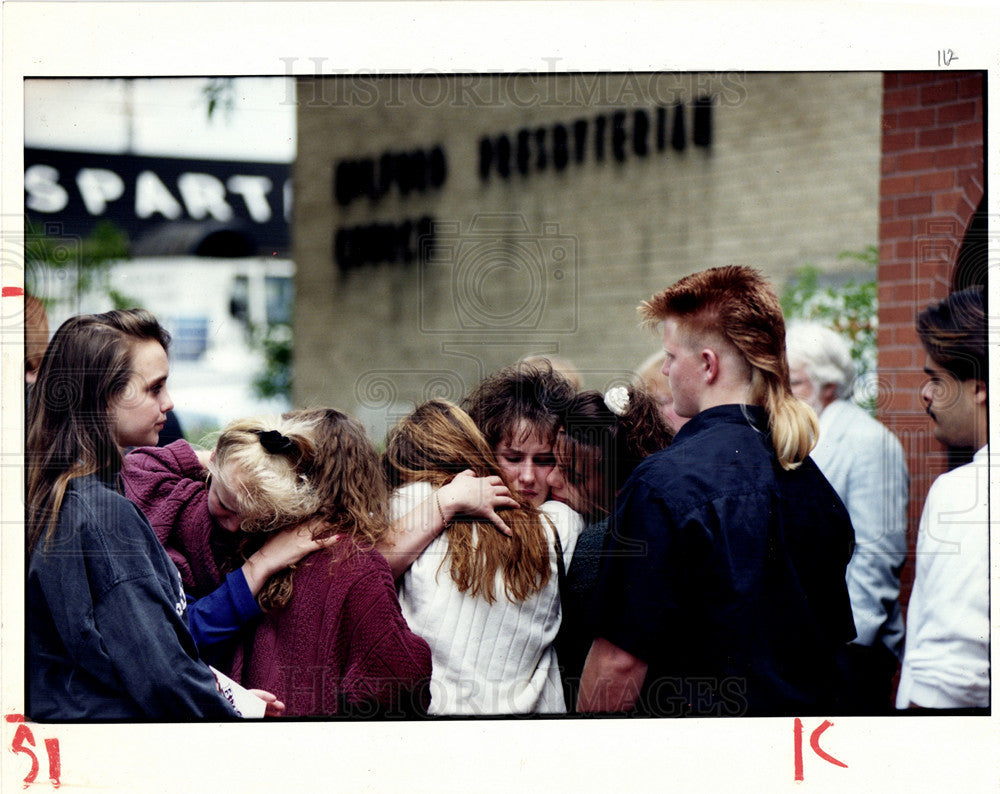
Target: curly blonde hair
x=272 y=489
x=306 y=463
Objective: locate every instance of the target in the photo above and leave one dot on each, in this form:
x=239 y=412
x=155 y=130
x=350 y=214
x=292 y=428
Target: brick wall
x=932 y=181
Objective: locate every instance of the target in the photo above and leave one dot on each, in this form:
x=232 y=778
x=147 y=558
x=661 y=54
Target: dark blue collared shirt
x=107 y=632
x=725 y=574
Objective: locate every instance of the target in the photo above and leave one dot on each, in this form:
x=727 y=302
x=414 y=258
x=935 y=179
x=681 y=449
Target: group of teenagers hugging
x=297 y=561
x=494 y=559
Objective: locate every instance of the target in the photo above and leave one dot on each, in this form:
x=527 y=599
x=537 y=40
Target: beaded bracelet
x=437 y=501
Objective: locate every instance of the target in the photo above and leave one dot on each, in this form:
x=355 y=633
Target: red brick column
x=932 y=181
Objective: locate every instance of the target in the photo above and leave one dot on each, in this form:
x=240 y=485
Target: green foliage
x=85 y=259
x=851 y=309
x=119 y=300
x=276 y=378
x=201 y=434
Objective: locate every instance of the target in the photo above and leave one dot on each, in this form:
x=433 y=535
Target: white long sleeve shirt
x=946 y=663
x=487 y=658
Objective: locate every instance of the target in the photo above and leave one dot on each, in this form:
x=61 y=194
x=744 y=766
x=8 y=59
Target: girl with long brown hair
x=486 y=602
x=107 y=635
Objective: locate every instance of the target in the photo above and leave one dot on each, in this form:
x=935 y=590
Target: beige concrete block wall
x=791 y=177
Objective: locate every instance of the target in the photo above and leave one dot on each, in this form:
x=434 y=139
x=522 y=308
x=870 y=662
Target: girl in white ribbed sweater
x=486 y=601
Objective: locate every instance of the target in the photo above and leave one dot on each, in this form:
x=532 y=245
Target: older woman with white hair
x=865 y=464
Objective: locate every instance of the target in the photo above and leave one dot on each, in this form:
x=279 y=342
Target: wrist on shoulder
x=445 y=517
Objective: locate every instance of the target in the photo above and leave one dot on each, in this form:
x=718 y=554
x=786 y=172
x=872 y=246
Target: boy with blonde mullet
x=722 y=590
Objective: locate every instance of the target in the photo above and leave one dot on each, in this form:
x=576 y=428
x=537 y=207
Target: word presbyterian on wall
x=367 y=183
x=620 y=136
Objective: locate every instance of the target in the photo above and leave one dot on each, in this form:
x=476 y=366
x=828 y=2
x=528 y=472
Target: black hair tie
x=276 y=443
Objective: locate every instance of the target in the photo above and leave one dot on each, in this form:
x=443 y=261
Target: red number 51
x=24 y=741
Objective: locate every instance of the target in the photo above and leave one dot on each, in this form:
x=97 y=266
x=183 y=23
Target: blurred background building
x=174 y=195
x=446 y=225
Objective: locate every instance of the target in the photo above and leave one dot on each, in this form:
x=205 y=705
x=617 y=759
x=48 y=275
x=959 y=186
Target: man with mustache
x=946 y=663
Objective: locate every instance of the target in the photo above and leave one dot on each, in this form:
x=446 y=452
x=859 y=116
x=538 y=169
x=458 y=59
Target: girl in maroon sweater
x=333 y=640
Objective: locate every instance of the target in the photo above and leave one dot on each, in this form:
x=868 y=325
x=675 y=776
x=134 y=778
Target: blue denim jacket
x=107 y=634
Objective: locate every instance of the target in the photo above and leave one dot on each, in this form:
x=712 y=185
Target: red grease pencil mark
x=814 y=744
x=798 y=749
x=24 y=743
x=55 y=761
x=12 y=292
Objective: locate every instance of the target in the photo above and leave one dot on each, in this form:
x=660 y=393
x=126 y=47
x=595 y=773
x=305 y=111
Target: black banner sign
x=77 y=190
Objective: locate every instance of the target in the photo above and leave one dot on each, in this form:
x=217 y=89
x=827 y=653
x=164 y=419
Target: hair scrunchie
x=616 y=399
x=276 y=443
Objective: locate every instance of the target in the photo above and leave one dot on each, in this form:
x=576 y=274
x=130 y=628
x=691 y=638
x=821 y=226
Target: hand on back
x=283 y=548
x=289 y=545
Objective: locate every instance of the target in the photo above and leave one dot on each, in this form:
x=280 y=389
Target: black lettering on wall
x=702 y=135
x=579 y=139
x=541 y=161
x=523 y=152
x=560 y=151
x=618 y=135
x=415 y=171
x=640 y=133
x=678 y=140
x=386 y=172
x=382 y=243
x=503 y=156
x=623 y=134
x=438 y=167
x=599 y=124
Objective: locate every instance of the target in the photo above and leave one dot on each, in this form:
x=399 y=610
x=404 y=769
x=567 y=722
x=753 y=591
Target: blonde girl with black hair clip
x=299 y=501
x=201 y=503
